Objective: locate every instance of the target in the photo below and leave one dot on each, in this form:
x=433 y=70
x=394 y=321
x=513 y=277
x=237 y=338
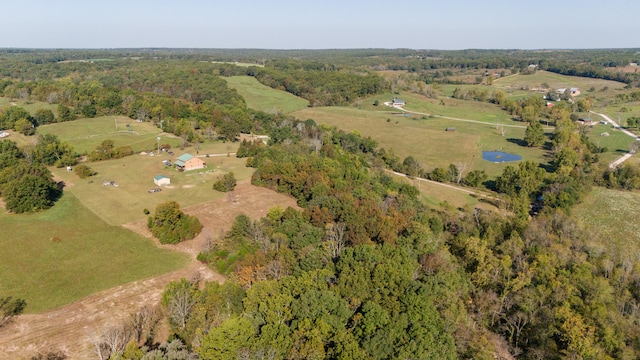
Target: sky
x=328 y=24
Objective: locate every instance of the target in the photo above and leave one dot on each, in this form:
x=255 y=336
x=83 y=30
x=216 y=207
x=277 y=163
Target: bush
x=226 y=183
x=83 y=171
x=170 y=225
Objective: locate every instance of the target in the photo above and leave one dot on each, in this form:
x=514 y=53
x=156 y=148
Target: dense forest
x=363 y=269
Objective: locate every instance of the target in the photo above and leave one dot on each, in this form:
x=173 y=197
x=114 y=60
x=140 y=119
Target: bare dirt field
x=71 y=327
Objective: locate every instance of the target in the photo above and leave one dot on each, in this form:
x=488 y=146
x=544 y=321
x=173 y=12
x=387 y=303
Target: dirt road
x=624 y=157
x=70 y=328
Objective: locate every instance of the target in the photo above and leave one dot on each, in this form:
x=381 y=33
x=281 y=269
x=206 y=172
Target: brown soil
x=71 y=327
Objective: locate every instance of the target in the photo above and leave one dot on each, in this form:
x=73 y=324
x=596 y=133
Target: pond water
x=499 y=156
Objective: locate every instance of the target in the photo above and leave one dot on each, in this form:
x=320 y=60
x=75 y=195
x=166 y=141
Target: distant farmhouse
x=586 y=121
x=188 y=162
x=397 y=102
x=161 y=180
x=572 y=91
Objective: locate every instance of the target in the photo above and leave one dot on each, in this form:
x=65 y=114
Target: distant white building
x=397 y=102
x=161 y=180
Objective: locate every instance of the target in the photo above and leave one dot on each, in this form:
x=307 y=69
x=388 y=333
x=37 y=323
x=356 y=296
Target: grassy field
x=557 y=81
x=90 y=255
x=264 y=98
x=30 y=106
x=134 y=176
x=611 y=217
x=617 y=142
x=85 y=134
x=444 y=106
x=426 y=138
x=236 y=63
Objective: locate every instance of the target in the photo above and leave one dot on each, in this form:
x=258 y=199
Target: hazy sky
x=300 y=24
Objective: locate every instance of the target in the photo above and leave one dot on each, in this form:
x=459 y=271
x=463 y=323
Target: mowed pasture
x=425 y=138
x=602 y=88
x=85 y=134
x=612 y=221
x=263 y=98
x=446 y=107
x=30 y=106
x=134 y=177
x=65 y=253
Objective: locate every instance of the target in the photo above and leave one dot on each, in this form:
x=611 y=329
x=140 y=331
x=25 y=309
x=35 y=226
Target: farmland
x=85 y=134
x=74 y=258
x=425 y=138
x=609 y=216
x=134 y=176
x=264 y=98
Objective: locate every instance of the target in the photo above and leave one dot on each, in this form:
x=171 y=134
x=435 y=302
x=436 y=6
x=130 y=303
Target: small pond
x=499 y=156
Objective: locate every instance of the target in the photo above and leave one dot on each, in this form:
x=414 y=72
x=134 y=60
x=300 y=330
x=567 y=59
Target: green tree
x=170 y=225
x=44 y=116
x=64 y=113
x=10 y=308
x=9 y=116
x=534 y=134
x=24 y=126
x=83 y=171
x=227 y=340
x=226 y=183
x=51 y=151
x=28 y=187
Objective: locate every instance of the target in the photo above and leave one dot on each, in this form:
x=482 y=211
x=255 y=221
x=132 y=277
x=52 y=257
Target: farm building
x=397 y=102
x=574 y=91
x=586 y=121
x=188 y=162
x=161 y=180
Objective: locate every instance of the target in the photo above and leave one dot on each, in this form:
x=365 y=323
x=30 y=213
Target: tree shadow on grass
x=520 y=142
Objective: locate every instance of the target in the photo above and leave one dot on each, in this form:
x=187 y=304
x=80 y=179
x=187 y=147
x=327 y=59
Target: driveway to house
x=626 y=156
x=399 y=107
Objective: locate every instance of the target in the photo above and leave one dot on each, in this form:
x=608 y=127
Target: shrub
x=83 y=171
x=170 y=225
x=226 y=183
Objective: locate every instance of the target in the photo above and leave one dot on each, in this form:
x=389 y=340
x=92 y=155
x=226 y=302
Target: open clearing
x=85 y=134
x=30 y=106
x=70 y=327
x=557 y=81
x=426 y=139
x=134 y=176
x=264 y=98
x=608 y=215
x=65 y=253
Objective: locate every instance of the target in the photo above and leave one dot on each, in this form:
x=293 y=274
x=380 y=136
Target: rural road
x=626 y=156
x=457 y=188
x=457 y=119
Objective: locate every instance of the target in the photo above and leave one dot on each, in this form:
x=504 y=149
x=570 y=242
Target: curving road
x=399 y=107
x=626 y=156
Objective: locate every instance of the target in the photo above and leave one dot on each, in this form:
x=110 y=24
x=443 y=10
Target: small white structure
x=161 y=180
x=397 y=102
x=4 y=134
